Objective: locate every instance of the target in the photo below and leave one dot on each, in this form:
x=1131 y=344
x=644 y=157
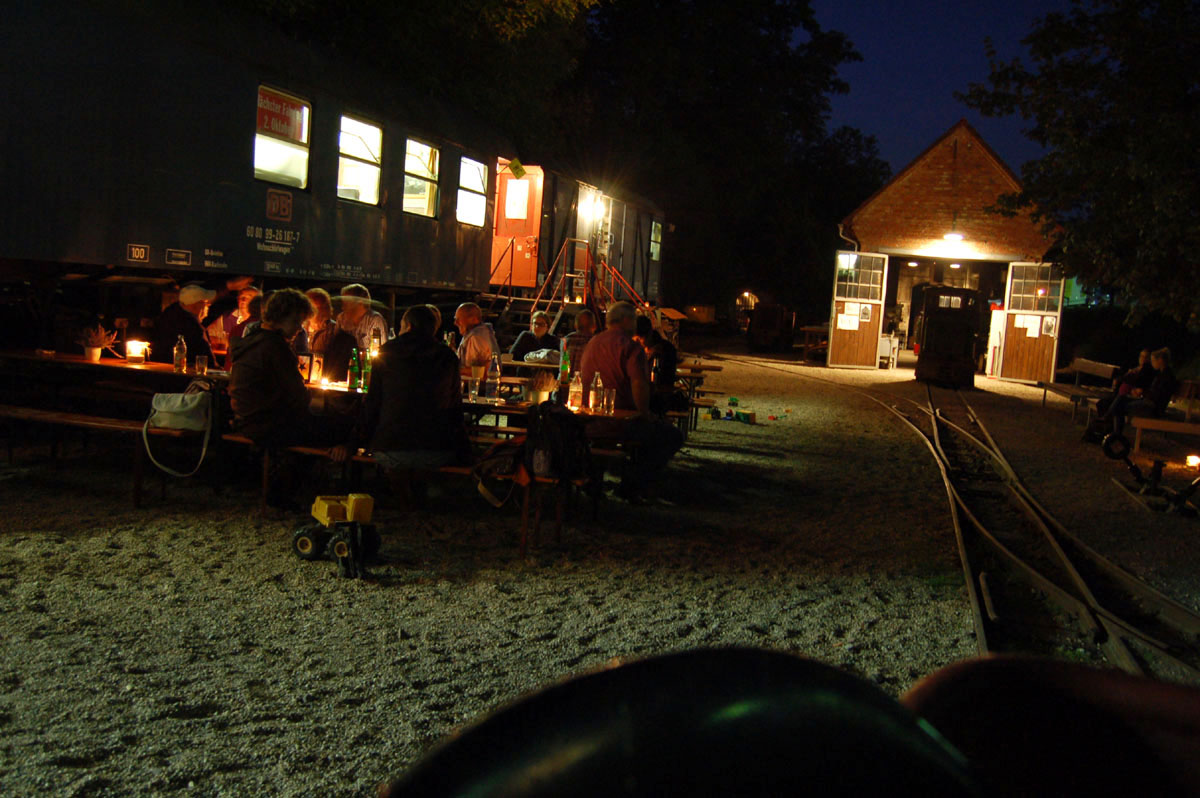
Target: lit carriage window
x=859 y=276
x=281 y=139
x=472 y=191
x=655 y=240
x=360 y=146
x=420 y=179
x=516 y=198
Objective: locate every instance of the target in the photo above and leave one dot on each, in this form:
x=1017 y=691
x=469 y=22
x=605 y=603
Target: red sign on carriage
x=282 y=115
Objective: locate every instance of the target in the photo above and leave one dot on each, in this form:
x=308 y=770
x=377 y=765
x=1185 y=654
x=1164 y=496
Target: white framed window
x=472 y=192
x=420 y=179
x=360 y=148
x=281 y=138
x=655 y=240
x=516 y=198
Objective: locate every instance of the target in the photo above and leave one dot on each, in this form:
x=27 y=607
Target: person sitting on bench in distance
x=621 y=363
x=1151 y=401
x=478 y=343
x=576 y=342
x=1139 y=376
x=413 y=417
x=269 y=399
x=536 y=337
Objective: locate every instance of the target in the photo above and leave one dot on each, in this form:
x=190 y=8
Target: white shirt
x=477 y=346
x=371 y=320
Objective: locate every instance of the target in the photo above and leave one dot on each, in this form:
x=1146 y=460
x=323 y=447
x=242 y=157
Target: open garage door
x=1032 y=313
x=857 y=315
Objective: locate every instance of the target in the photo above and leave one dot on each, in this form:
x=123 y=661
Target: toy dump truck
x=345 y=533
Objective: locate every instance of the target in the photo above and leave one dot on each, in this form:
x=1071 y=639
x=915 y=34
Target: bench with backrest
x=1079 y=394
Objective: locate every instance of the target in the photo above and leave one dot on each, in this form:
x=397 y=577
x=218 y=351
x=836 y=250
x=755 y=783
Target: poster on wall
x=846 y=321
x=864 y=314
x=1049 y=325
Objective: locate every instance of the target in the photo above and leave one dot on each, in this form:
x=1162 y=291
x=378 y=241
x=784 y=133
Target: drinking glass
x=610 y=400
x=201 y=365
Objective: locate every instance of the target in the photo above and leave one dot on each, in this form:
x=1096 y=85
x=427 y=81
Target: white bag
x=190 y=410
x=543 y=356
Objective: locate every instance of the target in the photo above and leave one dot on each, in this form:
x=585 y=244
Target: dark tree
x=1112 y=89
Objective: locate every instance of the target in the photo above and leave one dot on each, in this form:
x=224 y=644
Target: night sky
x=916 y=54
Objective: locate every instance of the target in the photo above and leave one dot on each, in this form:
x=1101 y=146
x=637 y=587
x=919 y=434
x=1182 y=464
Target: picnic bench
x=1140 y=423
x=1079 y=394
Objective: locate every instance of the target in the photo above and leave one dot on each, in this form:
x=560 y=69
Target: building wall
x=947 y=188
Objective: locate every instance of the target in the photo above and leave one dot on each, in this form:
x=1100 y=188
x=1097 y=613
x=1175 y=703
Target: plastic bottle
x=596 y=394
x=575 y=397
x=180 y=355
x=493 y=377
x=352 y=371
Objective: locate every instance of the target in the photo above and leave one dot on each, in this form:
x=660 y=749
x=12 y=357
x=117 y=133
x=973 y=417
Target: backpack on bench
x=556 y=444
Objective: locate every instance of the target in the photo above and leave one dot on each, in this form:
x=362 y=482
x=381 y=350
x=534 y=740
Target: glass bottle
x=493 y=377
x=564 y=373
x=596 y=393
x=366 y=367
x=575 y=398
x=180 y=355
x=352 y=370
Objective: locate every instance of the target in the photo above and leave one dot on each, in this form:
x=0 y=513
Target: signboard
x=282 y=115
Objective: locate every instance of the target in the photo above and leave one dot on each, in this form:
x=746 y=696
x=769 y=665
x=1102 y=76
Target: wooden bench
x=58 y=418
x=1078 y=394
x=1140 y=423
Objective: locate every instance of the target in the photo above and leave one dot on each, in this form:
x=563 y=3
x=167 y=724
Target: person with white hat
x=182 y=317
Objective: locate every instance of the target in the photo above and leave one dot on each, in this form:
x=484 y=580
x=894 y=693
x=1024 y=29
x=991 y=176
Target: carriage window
x=859 y=276
x=1035 y=286
x=655 y=240
x=472 y=192
x=281 y=139
x=420 y=179
x=949 y=301
x=360 y=145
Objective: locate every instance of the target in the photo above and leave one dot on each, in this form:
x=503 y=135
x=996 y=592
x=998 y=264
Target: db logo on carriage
x=279 y=205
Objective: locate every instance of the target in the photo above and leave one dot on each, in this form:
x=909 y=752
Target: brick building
x=932 y=223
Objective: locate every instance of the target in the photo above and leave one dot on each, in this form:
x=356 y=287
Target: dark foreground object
x=722 y=722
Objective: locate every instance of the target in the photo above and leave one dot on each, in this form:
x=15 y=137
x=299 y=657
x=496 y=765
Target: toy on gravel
x=345 y=533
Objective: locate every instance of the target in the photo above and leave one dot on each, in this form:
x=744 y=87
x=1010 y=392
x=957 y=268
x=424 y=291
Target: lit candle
x=135 y=351
x=324 y=382
x=1193 y=460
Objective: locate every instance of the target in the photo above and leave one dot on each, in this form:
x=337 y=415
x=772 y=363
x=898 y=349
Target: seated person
x=536 y=337
x=248 y=322
x=478 y=344
x=221 y=309
x=413 y=415
x=359 y=319
x=1139 y=376
x=621 y=364
x=1151 y=401
x=663 y=359
x=182 y=317
x=576 y=342
x=325 y=339
x=269 y=399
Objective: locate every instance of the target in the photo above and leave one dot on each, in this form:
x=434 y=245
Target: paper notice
x=847 y=321
x=851 y=309
x=1034 y=327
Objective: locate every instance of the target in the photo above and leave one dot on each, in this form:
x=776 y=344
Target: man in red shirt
x=621 y=363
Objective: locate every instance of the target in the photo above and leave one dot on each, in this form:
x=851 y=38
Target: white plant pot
x=537 y=397
x=92 y=353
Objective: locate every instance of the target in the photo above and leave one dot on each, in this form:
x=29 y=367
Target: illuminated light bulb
x=955 y=265
x=1041 y=292
x=1193 y=461
x=953 y=237
x=912 y=263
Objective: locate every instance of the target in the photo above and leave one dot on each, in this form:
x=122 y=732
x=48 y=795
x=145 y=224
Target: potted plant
x=541 y=385
x=95 y=339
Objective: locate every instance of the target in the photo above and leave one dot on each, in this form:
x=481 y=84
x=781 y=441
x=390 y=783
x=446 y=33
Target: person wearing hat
x=182 y=317
x=358 y=319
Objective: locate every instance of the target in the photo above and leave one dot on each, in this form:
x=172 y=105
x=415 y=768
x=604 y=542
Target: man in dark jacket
x=270 y=401
x=1151 y=401
x=182 y=317
x=413 y=416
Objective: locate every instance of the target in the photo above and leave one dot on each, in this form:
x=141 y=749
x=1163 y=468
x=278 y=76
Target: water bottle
x=180 y=355
x=493 y=377
x=596 y=393
x=575 y=398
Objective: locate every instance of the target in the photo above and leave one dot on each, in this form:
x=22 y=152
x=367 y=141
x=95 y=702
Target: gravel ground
x=182 y=648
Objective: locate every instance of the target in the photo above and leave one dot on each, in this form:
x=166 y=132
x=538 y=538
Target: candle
x=135 y=351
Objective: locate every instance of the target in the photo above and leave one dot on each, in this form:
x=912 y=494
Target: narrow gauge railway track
x=1035 y=587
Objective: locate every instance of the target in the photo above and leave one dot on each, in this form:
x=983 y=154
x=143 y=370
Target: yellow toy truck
x=345 y=533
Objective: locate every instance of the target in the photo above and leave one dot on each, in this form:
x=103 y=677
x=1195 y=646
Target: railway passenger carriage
x=137 y=139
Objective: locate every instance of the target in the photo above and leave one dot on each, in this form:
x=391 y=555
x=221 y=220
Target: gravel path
x=181 y=648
